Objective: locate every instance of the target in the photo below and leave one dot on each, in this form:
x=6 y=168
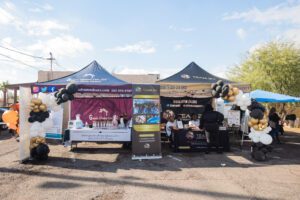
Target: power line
x=16 y=51
x=19 y=61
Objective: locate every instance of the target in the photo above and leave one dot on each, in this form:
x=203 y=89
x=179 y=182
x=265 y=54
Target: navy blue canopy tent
x=92 y=74
x=193 y=73
x=91 y=79
x=270 y=97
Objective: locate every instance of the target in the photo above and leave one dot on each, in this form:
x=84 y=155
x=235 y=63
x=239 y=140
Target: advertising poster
x=146 y=122
x=184 y=106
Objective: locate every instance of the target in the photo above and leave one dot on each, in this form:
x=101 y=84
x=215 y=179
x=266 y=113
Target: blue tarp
x=193 y=73
x=92 y=74
x=270 y=97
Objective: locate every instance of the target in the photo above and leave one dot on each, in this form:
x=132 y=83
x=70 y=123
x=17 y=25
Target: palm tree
x=4 y=90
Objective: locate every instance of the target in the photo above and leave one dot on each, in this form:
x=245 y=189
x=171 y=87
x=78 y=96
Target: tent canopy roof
x=193 y=73
x=265 y=96
x=92 y=74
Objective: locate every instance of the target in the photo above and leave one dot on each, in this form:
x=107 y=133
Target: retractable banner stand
x=24 y=150
x=146 y=122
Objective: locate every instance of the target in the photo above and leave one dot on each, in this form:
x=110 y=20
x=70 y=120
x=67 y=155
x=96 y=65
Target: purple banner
x=99 y=108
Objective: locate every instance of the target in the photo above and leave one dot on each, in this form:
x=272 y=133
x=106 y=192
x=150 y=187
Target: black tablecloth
x=181 y=143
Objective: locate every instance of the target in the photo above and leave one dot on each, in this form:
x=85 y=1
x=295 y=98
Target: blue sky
x=139 y=36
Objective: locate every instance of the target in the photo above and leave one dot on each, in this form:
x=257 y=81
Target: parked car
x=3 y=126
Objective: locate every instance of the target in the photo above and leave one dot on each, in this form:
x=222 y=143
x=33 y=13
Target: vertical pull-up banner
x=25 y=97
x=146 y=142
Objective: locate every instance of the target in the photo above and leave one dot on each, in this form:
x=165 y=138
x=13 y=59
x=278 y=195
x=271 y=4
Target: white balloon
x=266 y=139
x=243 y=107
x=250 y=135
x=255 y=138
x=36 y=129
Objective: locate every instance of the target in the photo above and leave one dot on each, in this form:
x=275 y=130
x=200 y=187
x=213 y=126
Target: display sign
x=55 y=132
x=100 y=135
x=184 y=106
x=233 y=118
x=146 y=122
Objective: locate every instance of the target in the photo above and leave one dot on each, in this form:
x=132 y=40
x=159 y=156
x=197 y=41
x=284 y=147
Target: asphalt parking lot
x=106 y=171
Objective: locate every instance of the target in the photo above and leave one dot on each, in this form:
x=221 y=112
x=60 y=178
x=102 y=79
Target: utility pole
x=51 y=61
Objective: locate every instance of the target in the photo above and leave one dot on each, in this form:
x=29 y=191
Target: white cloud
x=6 y=17
x=180 y=46
x=41 y=8
x=282 y=13
x=142 y=47
x=182 y=29
x=66 y=45
x=44 y=27
x=241 y=33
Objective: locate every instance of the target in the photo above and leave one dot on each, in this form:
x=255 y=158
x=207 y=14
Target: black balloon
x=31 y=119
x=38 y=116
x=71 y=97
x=72 y=88
x=55 y=94
x=65 y=97
x=257 y=114
x=220 y=82
x=219 y=89
x=40 y=152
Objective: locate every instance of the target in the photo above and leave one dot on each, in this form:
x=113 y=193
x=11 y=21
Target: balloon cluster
x=258 y=120
x=225 y=91
x=39 y=150
x=39 y=112
x=66 y=94
x=259 y=124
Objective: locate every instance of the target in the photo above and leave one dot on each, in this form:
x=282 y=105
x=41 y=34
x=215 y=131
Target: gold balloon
x=256 y=127
x=225 y=98
x=43 y=107
x=250 y=124
x=264 y=126
x=36 y=101
x=36 y=110
x=230 y=93
x=263 y=121
x=254 y=121
x=231 y=98
x=236 y=91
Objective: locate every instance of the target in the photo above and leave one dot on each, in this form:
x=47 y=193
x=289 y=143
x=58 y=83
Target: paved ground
x=109 y=173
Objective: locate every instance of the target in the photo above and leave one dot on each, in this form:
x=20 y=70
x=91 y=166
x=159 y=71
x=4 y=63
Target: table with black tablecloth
x=198 y=143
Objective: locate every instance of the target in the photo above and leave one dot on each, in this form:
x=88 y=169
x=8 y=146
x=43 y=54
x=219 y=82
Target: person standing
x=210 y=122
x=274 y=124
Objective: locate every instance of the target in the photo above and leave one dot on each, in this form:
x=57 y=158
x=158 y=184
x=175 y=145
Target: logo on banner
x=35 y=89
x=51 y=89
x=185 y=76
x=138 y=89
x=147 y=146
x=44 y=89
x=89 y=76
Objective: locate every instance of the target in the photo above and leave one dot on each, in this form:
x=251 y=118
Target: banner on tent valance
x=104 y=89
x=91 y=109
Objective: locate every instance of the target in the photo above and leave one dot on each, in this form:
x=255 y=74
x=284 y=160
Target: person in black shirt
x=210 y=122
x=274 y=124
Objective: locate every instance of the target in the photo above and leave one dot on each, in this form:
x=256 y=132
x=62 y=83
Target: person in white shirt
x=194 y=122
x=171 y=124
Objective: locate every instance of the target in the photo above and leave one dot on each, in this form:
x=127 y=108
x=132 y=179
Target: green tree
x=3 y=85
x=274 y=67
